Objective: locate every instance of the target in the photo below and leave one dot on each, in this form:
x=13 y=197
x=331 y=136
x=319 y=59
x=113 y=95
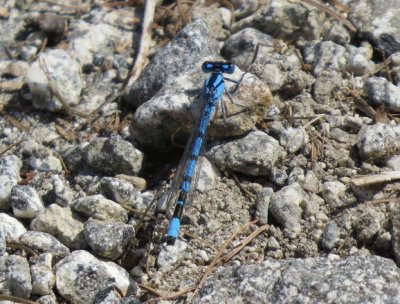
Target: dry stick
x=219 y=254
x=247 y=240
x=139 y=64
x=386 y=177
x=16 y=299
x=331 y=12
x=52 y=88
x=79 y=7
x=26 y=248
x=10 y=147
x=144 y=46
x=182 y=12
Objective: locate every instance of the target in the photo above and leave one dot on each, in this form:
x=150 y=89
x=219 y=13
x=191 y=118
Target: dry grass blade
x=16 y=299
x=219 y=254
x=20 y=246
x=10 y=147
x=329 y=11
x=145 y=42
x=246 y=241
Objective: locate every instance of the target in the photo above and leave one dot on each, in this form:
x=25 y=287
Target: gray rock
x=331 y=236
x=394 y=163
x=328 y=83
x=63 y=72
x=337 y=33
x=179 y=102
x=285 y=20
x=339 y=135
x=255 y=154
x=328 y=56
x=368 y=225
x=48 y=164
x=377 y=143
x=171 y=255
x=359 y=60
x=381 y=91
x=9 y=177
x=395 y=232
x=100 y=208
x=48 y=299
x=43 y=278
x=110 y=296
x=293 y=139
x=377 y=21
x=241 y=46
x=60 y=193
x=262 y=204
x=80 y=277
x=111 y=156
x=311 y=182
x=43 y=242
x=61 y=223
x=285 y=207
x=121 y=192
x=3 y=242
x=25 y=202
x=333 y=194
x=11 y=228
x=193 y=44
x=15 y=276
x=310 y=280
x=108 y=240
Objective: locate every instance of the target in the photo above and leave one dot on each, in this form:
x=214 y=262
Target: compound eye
x=208 y=66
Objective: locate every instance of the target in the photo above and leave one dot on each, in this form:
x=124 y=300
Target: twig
x=20 y=246
x=386 y=177
x=144 y=46
x=16 y=299
x=79 y=7
x=331 y=12
x=247 y=240
x=219 y=254
x=10 y=147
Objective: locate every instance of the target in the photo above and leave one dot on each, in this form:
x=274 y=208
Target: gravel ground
x=297 y=199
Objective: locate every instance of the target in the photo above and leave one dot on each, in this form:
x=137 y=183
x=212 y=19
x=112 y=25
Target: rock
x=108 y=240
x=377 y=143
x=49 y=164
x=255 y=154
x=80 y=277
x=120 y=191
x=377 y=21
x=60 y=193
x=110 y=156
x=171 y=255
x=368 y=225
x=100 y=208
x=339 y=135
x=43 y=278
x=285 y=207
x=285 y=20
x=333 y=194
x=15 y=276
x=9 y=177
x=193 y=45
x=63 y=73
x=262 y=204
x=313 y=280
x=11 y=228
x=331 y=236
x=178 y=103
x=359 y=60
x=61 y=223
x=42 y=242
x=293 y=139
x=25 y=202
x=381 y=91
